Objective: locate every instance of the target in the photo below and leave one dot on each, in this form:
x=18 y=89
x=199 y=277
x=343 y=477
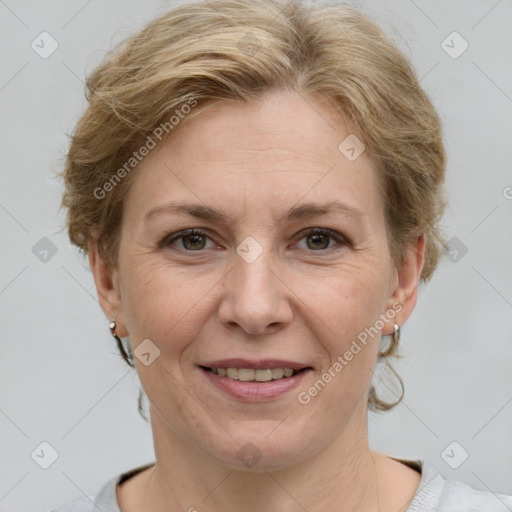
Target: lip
x=261 y=364
x=255 y=391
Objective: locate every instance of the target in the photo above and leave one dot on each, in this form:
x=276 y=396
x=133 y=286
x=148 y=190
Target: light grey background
x=62 y=380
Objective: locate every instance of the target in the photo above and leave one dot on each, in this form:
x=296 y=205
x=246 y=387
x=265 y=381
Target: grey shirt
x=434 y=494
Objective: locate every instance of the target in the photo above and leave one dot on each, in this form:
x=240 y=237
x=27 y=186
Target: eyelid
x=335 y=235
x=340 y=238
x=172 y=237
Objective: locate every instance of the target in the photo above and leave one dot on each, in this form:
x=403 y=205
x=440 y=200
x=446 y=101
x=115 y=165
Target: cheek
x=350 y=299
x=163 y=303
x=348 y=306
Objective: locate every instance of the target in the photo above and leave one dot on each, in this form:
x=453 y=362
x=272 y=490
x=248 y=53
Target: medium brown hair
x=209 y=51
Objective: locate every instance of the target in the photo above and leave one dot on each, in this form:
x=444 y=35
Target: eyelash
x=169 y=239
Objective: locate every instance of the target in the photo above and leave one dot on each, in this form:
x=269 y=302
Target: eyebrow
x=306 y=210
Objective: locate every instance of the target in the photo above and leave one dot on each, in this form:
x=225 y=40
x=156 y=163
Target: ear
x=106 y=278
x=406 y=283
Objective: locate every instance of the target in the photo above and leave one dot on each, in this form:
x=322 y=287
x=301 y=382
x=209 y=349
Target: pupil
x=194 y=238
x=317 y=237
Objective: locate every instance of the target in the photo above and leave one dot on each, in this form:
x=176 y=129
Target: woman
x=258 y=187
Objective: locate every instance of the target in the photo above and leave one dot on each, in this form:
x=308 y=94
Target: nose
x=256 y=297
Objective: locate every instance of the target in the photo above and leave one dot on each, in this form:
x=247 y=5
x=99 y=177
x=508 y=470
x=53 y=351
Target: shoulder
x=84 y=504
x=457 y=496
x=435 y=493
x=105 y=500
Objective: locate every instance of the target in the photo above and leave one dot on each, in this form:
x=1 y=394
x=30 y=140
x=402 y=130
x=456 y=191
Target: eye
x=319 y=239
x=192 y=239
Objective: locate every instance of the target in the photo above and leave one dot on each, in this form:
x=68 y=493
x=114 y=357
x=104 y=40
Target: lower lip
x=255 y=391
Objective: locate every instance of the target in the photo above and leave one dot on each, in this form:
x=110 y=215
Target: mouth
x=253 y=374
x=254 y=381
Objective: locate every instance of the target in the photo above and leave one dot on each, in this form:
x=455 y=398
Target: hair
x=238 y=50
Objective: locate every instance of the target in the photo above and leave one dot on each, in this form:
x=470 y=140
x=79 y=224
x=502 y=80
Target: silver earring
x=396 y=334
x=395 y=337
x=128 y=358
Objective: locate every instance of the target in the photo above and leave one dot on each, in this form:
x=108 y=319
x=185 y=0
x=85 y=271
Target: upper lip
x=260 y=364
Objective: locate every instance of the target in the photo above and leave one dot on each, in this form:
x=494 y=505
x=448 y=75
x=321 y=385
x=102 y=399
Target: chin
x=259 y=453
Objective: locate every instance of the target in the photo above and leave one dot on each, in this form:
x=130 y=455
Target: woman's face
x=263 y=281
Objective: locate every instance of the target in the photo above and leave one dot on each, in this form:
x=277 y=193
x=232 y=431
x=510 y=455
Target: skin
x=302 y=299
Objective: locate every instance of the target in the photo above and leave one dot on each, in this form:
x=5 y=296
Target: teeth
x=232 y=373
x=263 y=375
x=277 y=373
x=244 y=374
x=248 y=374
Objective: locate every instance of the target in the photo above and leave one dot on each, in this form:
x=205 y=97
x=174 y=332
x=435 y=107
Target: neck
x=341 y=477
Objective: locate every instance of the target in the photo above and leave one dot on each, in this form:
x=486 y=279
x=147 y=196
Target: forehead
x=261 y=157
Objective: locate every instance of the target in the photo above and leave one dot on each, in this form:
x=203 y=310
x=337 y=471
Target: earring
x=396 y=334
x=395 y=338
x=126 y=357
